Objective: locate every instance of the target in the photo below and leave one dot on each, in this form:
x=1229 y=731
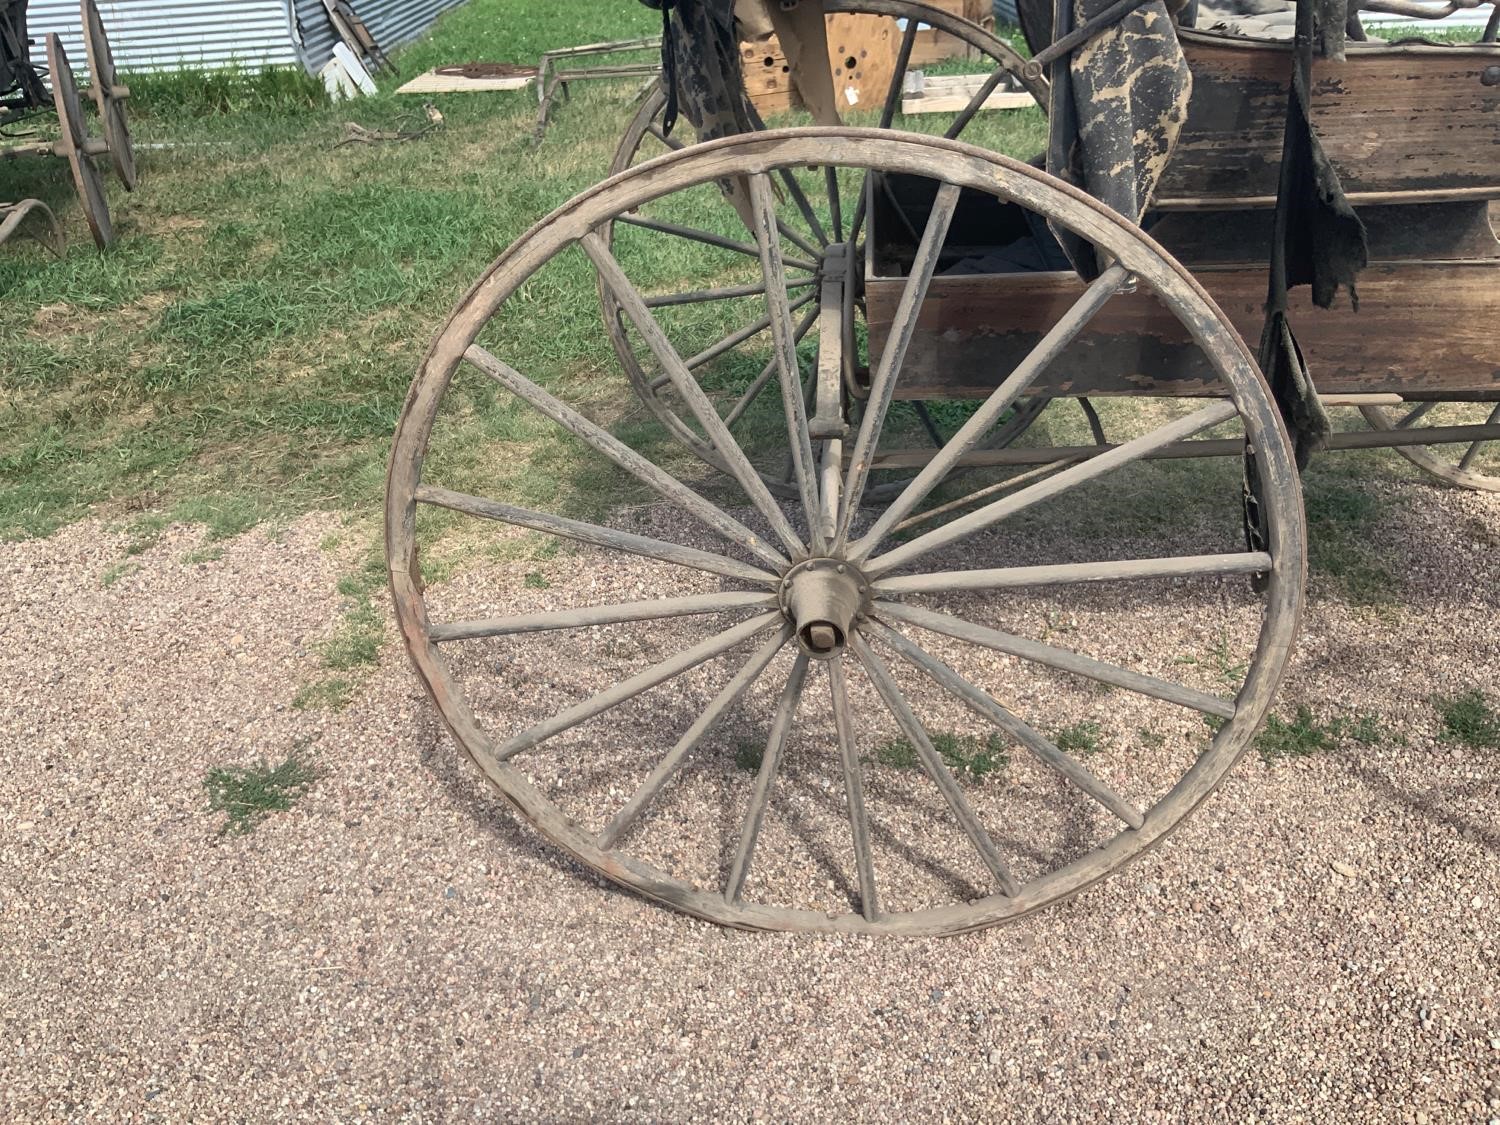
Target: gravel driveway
x=1319 y=944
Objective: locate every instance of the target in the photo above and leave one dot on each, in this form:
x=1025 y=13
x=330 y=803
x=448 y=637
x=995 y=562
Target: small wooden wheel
x=74 y=144
x=1470 y=464
x=45 y=230
x=816 y=222
x=803 y=641
x=108 y=95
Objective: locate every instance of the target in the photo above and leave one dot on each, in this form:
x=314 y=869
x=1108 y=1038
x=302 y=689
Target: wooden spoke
x=986 y=705
x=854 y=791
x=667 y=768
x=758 y=384
x=728 y=343
x=699 y=296
x=981 y=95
x=809 y=216
x=835 y=204
x=593 y=534
x=1010 y=577
x=1063 y=659
x=663 y=483
x=654 y=610
x=629 y=299
x=708 y=238
x=916 y=734
x=1054 y=485
x=642 y=681
x=983 y=420
x=1467 y=460
x=898 y=76
x=799 y=443
x=903 y=327
x=1414 y=416
x=664 y=137
x=760 y=796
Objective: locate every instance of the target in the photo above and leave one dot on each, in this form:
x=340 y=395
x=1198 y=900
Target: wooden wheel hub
x=823 y=598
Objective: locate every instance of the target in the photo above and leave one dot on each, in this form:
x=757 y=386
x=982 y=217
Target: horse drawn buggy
x=25 y=93
x=970 y=548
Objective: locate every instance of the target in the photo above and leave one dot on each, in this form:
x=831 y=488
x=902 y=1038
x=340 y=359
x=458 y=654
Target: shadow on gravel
x=1434 y=803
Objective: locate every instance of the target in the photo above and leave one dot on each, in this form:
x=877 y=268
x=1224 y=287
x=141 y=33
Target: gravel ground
x=1319 y=943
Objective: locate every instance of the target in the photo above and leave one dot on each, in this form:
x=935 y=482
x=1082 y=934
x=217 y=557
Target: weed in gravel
x=356 y=642
x=1080 y=738
x=536 y=580
x=203 y=555
x=1469 y=719
x=748 y=755
x=965 y=754
x=1306 y=734
x=122 y=569
x=247 y=794
x=334 y=694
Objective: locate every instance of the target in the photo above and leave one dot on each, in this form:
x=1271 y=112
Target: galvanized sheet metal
x=166 y=34
x=392 y=22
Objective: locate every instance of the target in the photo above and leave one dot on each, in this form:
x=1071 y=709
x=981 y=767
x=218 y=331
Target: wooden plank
x=1391 y=119
x=434 y=83
x=1421 y=326
x=953 y=102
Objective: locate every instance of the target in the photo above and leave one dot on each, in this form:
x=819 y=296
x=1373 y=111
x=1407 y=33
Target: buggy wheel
x=108 y=95
x=45 y=230
x=1473 y=465
x=800 y=640
x=73 y=145
x=824 y=211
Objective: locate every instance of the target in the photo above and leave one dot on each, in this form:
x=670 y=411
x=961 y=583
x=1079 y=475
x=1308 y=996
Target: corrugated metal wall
x=392 y=22
x=162 y=34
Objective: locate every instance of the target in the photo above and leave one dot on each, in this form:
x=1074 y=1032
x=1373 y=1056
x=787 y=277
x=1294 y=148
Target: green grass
x=247 y=795
x=967 y=755
x=1469 y=719
x=1345 y=541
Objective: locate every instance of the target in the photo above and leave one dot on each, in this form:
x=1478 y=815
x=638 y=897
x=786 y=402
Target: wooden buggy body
x=839 y=552
x=1414 y=133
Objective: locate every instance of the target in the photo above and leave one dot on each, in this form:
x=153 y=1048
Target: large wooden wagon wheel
x=808 y=642
x=76 y=146
x=1475 y=465
x=108 y=95
x=821 y=207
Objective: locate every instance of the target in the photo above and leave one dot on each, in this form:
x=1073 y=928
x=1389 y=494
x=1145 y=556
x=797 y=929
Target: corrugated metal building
x=164 y=34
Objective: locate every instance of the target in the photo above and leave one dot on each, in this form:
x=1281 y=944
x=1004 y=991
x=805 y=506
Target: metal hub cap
x=823 y=598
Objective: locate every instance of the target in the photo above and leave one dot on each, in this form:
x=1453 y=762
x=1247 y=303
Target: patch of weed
x=248 y=794
x=1080 y=738
x=1306 y=734
x=203 y=555
x=536 y=580
x=333 y=693
x=122 y=569
x=1469 y=719
x=966 y=754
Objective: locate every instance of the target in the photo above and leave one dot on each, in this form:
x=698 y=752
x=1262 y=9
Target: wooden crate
x=933 y=46
x=861 y=53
